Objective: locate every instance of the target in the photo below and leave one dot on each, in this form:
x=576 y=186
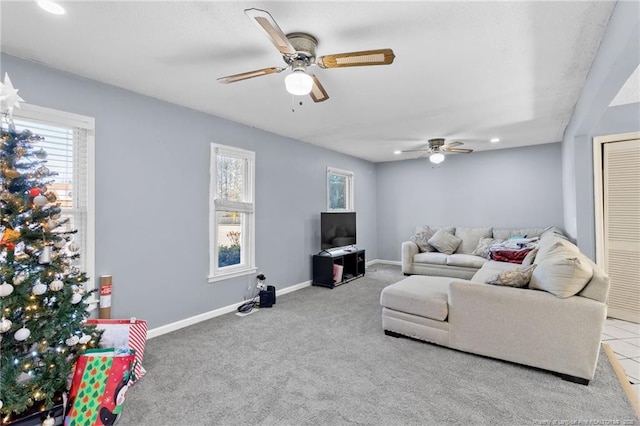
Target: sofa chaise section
x=536 y=327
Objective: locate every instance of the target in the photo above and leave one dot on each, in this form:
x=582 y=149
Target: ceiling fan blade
x=357 y=59
x=318 y=94
x=454 y=143
x=247 y=75
x=268 y=25
x=456 y=150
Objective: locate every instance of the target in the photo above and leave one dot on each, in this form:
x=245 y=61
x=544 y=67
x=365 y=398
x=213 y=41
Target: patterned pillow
x=518 y=278
x=421 y=239
x=483 y=247
x=445 y=242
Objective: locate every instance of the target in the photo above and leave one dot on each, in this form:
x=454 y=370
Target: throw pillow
x=444 y=242
x=563 y=276
x=550 y=247
x=470 y=238
x=422 y=239
x=482 y=249
x=518 y=277
x=529 y=258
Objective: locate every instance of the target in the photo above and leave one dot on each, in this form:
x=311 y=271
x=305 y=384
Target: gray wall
x=508 y=188
x=617 y=57
x=152 y=178
x=618 y=119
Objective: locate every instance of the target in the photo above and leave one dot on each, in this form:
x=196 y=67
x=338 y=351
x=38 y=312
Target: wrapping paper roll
x=105 y=297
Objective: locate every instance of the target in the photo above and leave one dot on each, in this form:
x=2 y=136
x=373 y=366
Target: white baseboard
x=385 y=262
x=168 y=328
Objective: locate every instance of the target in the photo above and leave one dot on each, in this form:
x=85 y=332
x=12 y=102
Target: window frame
x=245 y=208
x=349 y=199
x=53 y=117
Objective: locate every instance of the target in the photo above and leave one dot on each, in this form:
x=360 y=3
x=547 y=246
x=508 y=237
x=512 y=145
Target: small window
x=232 y=218
x=339 y=190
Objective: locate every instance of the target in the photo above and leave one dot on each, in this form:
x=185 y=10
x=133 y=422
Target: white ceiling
x=466 y=71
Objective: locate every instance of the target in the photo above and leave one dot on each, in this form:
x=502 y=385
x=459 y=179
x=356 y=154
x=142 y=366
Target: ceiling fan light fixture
x=436 y=158
x=298 y=83
x=51 y=7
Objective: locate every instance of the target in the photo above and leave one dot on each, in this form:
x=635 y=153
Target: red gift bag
x=99 y=387
x=124 y=334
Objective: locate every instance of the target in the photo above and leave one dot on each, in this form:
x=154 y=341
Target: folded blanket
x=513 y=250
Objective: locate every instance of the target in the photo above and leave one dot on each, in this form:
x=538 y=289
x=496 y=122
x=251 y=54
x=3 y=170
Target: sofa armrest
x=527 y=326
x=409 y=249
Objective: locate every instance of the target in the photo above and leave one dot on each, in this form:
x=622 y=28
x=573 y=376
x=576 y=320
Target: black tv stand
x=352 y=262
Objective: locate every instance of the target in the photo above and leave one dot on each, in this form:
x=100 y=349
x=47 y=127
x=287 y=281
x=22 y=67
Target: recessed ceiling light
x=51 y=7
x=495 y=140
x=397 y=152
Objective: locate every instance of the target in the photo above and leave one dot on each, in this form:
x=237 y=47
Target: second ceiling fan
x=299 y=52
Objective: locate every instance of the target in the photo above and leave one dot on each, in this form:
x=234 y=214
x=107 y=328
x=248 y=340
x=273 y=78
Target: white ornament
x=22 y=334
x=84 y=339
x=56 y=285
x=40 y=200
x=45 y=255
x=73 y=247
x=39 y=289
x=60 y=243
x=6 y=289
x=5 y=325
x=49 y=421
x=9 y=98
x=72 y=341
x=76 y=298
x=19 y=279
x=1 y=404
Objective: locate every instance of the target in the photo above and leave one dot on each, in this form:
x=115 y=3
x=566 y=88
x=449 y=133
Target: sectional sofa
x=553 y=322
x=419 y=257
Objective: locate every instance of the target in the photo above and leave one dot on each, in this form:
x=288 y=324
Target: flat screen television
x=337 y=229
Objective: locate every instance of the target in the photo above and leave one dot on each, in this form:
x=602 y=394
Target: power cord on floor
x=247 y=307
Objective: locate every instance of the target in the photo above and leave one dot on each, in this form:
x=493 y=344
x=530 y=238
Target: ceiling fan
x=437 y=148
x=299 y=52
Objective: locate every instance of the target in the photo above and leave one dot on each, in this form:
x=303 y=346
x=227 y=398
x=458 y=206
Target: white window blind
x=68 y=142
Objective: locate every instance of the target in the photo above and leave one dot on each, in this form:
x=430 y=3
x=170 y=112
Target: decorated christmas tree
x=42 y=295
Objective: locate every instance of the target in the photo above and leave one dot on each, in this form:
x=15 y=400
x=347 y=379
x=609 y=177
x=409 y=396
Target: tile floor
x=624 y=339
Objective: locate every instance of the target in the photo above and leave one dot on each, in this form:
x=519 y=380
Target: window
x=339 y=190
x=69 y=144
x=231 y=227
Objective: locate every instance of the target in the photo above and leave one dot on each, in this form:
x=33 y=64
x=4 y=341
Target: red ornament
x=34 y=192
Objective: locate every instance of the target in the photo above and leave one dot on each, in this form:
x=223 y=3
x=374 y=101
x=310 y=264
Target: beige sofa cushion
x=445 y=242
x=549 y=247
x=466 y=260
x=529 y=258
x=598 y=286
x=491 y=268
x=562 y=275
x=505 y=234
x=434 y=258
x=470 y=238
x=418 y=295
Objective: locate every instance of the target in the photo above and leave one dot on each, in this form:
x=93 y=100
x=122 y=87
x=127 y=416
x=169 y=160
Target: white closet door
x=622 y=227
